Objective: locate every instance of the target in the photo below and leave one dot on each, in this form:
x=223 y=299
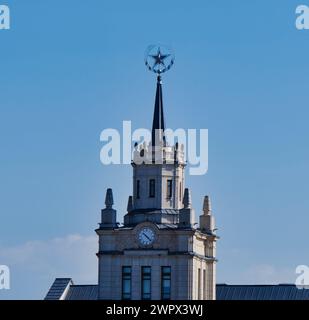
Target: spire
x=187 y=199
x=130 y=204
x=108 y=214
x=158 y=116
x=207 y=205
x=207 y=220
x=186 y=214
x=109 y=201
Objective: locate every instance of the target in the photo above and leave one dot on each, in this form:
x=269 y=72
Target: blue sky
x=69 y=70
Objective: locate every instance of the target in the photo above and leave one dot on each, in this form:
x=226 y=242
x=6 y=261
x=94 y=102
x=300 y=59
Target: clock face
x=146 y=236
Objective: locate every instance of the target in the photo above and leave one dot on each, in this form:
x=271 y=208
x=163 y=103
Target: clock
x=146 y=236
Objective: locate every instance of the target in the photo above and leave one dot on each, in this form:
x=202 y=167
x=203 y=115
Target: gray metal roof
x=224 y=291
x=58 y=287
x=82 y=292
x=155 y=210
x=261 y=292
x=166 y=226
x=63 y=288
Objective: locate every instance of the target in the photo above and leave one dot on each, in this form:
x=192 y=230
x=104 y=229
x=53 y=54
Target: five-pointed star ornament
x=159 y=58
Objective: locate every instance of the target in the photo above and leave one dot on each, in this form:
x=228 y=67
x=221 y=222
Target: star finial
x=159 y=59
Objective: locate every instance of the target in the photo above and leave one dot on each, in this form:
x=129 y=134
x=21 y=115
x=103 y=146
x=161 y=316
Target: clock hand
x=146 y=236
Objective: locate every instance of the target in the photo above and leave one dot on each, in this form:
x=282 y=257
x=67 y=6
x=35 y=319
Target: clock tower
x=159 y=252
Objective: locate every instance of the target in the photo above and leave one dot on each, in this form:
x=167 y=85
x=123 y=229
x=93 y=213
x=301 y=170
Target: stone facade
x=187 y=251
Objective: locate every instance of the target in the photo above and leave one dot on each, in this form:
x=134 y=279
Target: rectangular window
x=180 y=192
x=204 y=284
x=165 y=283
x=152 y=186
x=169 y=189
x=137 y=189
x=126 y=283
x=146 y=283
x=199 y=284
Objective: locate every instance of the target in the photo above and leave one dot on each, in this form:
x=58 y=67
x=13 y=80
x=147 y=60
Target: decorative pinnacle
x=109 y=200
x=130 y=204
x=187 y=199
x=207 y=205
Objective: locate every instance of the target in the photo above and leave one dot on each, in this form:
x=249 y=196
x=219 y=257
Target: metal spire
x=158 y=59
x=158 y=126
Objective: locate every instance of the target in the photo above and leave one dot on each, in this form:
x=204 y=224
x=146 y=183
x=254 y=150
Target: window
x=199 y=284
x=204 y=284
x=146 y=283
x=137 y=189
x=180 y=192
x=126 y=283
x=169 y=189
x=165 y=283
x=152 y=188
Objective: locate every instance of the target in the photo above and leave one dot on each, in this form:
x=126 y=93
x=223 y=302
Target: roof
x=64 y=289
x=82 y=292
x=155 y=210
x=261 y=292
x=58 y=288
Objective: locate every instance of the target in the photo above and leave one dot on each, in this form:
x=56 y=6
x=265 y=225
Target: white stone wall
x=206 y=285
x=183 y=250
x=121 y=239
x=110 y=273
x=161 y=173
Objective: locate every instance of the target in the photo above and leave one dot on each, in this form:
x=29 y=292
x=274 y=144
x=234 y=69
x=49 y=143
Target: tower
x=159 y=252
x=158 y=174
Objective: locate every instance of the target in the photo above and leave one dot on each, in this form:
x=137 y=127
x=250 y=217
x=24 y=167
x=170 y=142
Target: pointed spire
x=207 y=206
x=109 y=200
x=207 y=220
x=130 y=204
x=158 y=116
x=187 y=199
x=108 y=214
